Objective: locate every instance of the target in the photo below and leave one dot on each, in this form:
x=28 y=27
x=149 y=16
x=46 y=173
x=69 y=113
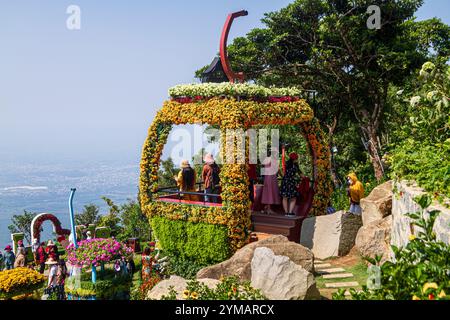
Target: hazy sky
x=92 y=93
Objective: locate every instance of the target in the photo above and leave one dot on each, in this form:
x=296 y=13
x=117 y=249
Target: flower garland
x=19 y=281
x=96 y=251
x=228 y=113
x=208 y=90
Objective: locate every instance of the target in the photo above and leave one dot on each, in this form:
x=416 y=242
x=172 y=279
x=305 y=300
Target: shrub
x=421 y=270
x=200 y=242
x=228 y=289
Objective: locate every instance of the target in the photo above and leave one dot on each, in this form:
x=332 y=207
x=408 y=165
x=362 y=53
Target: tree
x=90 y=215
x=111 y=219
x=325 y=45
x=22 y=224
x=166 y=173
x=134 y=223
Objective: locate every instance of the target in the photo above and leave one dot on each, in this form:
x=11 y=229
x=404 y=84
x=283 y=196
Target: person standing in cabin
x=211 y=178
x=186 y=180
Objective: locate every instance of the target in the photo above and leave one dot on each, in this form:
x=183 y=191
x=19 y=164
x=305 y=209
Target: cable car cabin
x=235 y=108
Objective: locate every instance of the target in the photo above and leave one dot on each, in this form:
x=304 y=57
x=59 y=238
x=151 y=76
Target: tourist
x=147 y=262
x=52 y=250
x=61 y=274
x=20 y=260
x=186 y=180
x=34 y=248
x=252 y=177
x=289 y=185
x=131 y=266
x=10 y=258
x=88 y=235
x=2 y=260
x=40 y=257
x=355 y=193
x=270 y=192
x=211 y=179
x=53 y=272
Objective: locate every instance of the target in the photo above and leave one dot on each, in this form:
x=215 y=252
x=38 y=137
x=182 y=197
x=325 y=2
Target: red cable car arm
x=223 y=47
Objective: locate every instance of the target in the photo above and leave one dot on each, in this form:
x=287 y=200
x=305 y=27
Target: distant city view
x=45 y=188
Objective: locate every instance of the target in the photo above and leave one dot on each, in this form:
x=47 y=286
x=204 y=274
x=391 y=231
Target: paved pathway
x=333 y=278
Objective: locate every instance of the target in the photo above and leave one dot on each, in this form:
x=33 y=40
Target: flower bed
x=96 y=251
x=19 y=281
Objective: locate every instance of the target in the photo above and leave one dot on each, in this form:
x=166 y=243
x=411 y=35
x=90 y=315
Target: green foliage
x=21 y=224
x=419 y=271
x=134 y=223
x=166 y=173
x=421 y=151
x=204 y=243
x=230 y=288
x=90 y=215
x=184 y=268
x=111 y=219
x=109 y=287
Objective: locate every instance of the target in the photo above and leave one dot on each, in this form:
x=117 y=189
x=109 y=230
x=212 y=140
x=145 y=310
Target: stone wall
x=403 y=203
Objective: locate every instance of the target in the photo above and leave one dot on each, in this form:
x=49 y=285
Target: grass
x=358 y=270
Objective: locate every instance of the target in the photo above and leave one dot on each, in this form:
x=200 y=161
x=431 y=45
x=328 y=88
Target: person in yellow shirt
x=355 y=193
x=186 y=180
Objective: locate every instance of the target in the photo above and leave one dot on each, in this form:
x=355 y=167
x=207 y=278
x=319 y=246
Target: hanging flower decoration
x=230 y=106
x=95 y=251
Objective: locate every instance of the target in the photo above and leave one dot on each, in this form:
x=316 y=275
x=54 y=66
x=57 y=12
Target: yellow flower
x=194 y=295
x=428 y=285
x=415 y=297
x=412 y=237
x=186 y=294
x=442 y=294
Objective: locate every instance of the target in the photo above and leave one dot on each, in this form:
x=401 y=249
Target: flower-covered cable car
x=230 y=106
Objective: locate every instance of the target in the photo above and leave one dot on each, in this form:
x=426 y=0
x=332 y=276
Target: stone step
x=341 y=284
x=332 y=270
x=322 y=265
x=337 y=276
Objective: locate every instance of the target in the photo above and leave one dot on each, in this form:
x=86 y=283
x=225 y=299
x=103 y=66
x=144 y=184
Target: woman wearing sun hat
x=289 y=184
x=21 y=255
x=270 y=193
x=186 y=180
x=211 y=178
x=9 y=258
x=53 y=272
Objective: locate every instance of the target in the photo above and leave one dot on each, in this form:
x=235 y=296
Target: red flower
x=431 y=296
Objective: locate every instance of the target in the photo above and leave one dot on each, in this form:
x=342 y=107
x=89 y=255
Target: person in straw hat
x=186 y=180
x=53 y=272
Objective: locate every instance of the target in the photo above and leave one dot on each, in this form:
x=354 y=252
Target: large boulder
x=279 y=278
x=378 y=204
x=240 y=263
x=179 y=284
x=375 y=238
x=331 y=235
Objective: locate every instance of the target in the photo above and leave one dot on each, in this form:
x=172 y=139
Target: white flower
x=415 y=101
x=432 y=95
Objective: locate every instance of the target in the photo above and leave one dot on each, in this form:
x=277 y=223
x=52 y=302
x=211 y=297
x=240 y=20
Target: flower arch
x=230 y=112
x=38 y=220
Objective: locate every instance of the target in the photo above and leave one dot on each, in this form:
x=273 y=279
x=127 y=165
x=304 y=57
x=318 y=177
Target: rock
x=375 y=238
x=404 y=203
x=378 y=204
x=179 y=284
x=240 y=263
x=331 y=235
x=279 y=278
